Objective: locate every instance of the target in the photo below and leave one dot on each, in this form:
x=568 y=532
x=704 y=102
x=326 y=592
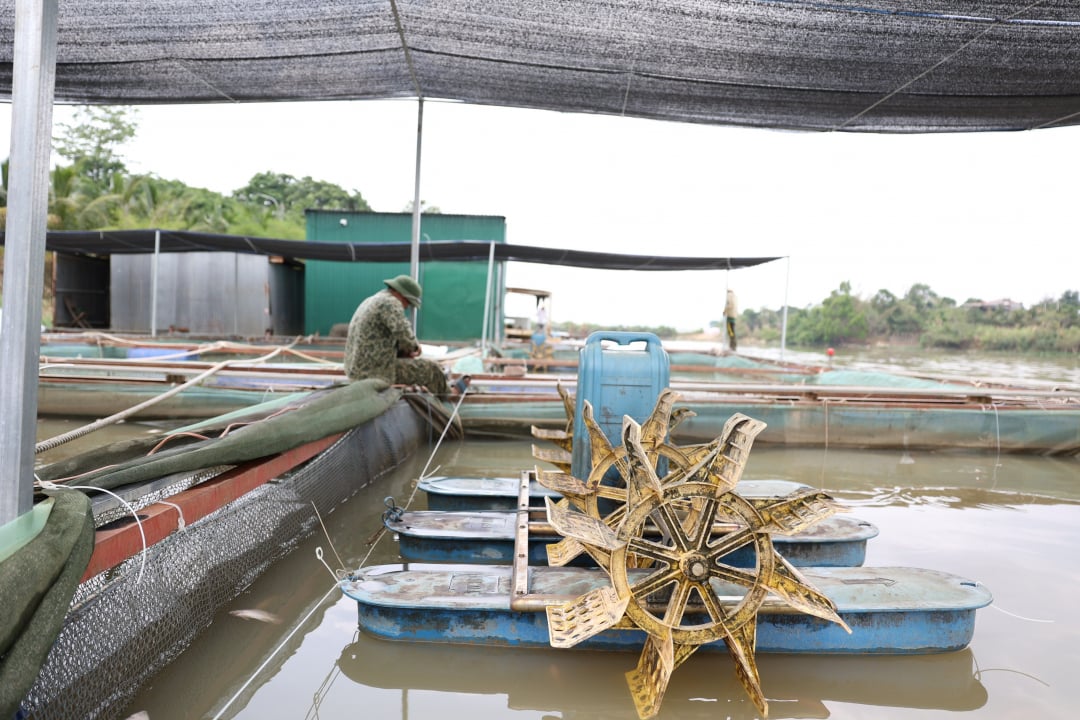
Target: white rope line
x=450 y=422
x=328 y=538
x=273 y=654
x=997 y=435
x=54 y=442
x=1020 y=617
x=46 y=485
x=181 y=524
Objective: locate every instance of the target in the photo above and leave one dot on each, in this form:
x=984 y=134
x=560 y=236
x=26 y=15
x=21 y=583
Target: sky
x=972 y=215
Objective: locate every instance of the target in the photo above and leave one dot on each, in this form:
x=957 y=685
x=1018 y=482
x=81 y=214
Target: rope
x=181 y=523
x=54 y=442
x=449 y=423
x=46 y=485
x=276 y=650
x=59 y=440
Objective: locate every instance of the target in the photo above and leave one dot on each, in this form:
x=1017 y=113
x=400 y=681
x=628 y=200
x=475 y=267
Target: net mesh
x=122 y=630
x=876 y=65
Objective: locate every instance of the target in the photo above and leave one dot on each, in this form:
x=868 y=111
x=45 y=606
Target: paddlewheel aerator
x=665 y=541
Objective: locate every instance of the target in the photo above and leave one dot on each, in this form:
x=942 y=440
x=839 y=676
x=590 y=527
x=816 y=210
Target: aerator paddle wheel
x=665 y=547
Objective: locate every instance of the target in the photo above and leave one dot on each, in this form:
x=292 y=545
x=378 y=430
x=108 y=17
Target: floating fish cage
x=128 y=622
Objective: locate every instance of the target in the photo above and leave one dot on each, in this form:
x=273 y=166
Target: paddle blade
x=588 y=615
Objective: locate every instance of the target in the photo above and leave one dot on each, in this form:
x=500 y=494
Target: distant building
x=1002 y=304
x=454 y=291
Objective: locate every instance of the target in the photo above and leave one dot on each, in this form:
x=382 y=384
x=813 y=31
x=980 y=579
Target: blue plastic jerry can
x=619 y=373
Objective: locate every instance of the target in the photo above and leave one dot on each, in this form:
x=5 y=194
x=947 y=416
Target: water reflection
x=973 y=478
x=581 y=684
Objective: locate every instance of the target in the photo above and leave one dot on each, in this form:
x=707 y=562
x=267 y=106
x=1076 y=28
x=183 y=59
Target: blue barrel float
x=625 y=376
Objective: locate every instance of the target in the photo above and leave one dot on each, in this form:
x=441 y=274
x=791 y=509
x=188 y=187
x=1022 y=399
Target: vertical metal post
x=487 y=301
x=498 y=327
x=33 y=81
x=154 y=283
x=236 y=294
x=783 y=321
x=414 y=258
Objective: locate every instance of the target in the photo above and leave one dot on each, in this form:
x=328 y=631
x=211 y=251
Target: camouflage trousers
x=418 y=371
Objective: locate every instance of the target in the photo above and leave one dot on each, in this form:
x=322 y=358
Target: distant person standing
x=541 y=316
x=731 y=310
x=381 y=342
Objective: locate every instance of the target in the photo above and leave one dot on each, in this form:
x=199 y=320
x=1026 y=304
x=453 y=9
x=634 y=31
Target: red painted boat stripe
x=113 y=546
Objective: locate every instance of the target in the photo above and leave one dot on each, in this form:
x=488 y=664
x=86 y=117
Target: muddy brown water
x=1012 y=523
x=1009 y=522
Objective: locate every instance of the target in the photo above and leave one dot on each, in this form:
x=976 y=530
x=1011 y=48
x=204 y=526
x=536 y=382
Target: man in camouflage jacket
x=381 y=342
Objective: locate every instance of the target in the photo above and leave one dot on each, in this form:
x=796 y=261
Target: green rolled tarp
x=322 y=414
x=37 y=582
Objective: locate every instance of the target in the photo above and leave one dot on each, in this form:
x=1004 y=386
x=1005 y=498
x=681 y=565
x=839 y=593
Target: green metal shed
x=453 y=307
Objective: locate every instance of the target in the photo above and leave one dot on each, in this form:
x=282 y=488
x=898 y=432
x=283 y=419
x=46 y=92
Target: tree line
x=95 y=191
x=924 y=317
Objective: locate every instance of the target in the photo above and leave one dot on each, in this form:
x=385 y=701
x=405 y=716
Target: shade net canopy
x=874 y=65
x=113 y=242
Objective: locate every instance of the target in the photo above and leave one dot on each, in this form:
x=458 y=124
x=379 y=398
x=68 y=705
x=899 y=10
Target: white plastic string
x=46 y=485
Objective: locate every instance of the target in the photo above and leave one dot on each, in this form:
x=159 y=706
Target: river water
x=1010 y=522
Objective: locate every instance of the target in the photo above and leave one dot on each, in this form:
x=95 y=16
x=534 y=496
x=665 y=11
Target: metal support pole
x=33 y=81
x=236 y=294
x=414 y=258
x=498 y=328
x=154 y=283
x=783 y=321
x=487 y=302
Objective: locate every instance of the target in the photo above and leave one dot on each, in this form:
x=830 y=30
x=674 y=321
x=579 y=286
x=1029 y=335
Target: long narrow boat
x=890 y=610
x=824 y=408
x=861 y=416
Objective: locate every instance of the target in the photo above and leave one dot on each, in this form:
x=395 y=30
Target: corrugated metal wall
x=206 y=293
x=453 y=307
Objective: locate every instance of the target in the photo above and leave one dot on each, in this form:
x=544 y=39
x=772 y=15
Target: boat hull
x=488 y=537
x=501 y=493
x=893 y=611
x=796 y=419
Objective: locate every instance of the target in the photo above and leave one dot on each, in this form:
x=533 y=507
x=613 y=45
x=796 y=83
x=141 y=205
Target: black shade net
x=875 y=65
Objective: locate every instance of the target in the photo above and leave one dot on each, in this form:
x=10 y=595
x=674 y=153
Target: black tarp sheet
x=107 y=242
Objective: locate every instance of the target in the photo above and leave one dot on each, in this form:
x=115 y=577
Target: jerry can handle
x=625 y=338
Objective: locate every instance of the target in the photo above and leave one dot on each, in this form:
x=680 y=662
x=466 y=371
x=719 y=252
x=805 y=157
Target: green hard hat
x=409 y=288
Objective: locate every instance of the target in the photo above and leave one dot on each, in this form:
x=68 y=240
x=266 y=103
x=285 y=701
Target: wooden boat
x=802 y=405
x=166 y=389
x=488 y=536
x=479 y=493
x=890 y=610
